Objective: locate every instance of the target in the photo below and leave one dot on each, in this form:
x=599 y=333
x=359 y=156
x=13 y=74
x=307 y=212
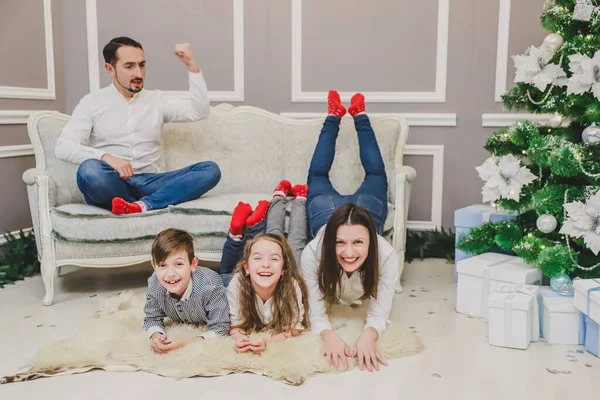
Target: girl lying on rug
x=348 y=261
x=266 y=293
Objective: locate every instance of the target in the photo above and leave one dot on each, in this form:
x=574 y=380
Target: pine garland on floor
x=430 y=244
x=20 y=259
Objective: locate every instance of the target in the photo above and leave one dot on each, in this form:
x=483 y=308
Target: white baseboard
x=15 y=233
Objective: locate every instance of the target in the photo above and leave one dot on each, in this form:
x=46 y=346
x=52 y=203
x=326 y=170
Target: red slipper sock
x=259 y=214
x=120 y=206
x=238 y=219
x=284 y=189
x=335 y=106
x=300 y=191
x=357 y=104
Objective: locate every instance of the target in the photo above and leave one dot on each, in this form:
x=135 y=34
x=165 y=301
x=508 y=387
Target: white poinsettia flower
x=586 y=74
x=583 y=220
x=532 y=67
x=504 y=177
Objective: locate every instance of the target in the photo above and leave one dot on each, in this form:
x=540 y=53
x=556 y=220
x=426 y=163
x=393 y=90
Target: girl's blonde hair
x=285 y=308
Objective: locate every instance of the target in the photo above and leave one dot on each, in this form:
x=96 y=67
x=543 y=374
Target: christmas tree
x=549 y=174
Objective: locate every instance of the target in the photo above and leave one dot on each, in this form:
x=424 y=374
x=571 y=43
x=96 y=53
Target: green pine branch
x=20 y=259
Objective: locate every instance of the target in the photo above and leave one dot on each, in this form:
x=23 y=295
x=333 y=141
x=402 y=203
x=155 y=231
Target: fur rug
x=115 y=342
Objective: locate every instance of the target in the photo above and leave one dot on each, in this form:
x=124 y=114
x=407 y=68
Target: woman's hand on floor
x=335 y=349
x=365 y=350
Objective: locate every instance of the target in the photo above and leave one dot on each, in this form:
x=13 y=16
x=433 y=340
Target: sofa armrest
x=40 y=202
x=404 y=176
x=29 y=176
x=408 y=171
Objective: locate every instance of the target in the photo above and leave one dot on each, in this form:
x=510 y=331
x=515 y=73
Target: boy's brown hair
x=170 y=240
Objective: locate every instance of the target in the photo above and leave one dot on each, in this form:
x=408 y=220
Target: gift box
x=515 y=271
x=513 y=316
x=473 y=288
x=560 y=321
x=471 y=217
x=587 y=297
x=480 y=275
x=587 y=300
x=592 y=339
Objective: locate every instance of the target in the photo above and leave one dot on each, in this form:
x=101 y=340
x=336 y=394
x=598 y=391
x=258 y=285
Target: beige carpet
x=115 y=342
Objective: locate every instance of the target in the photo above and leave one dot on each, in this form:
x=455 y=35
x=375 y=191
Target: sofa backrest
x=254 y=148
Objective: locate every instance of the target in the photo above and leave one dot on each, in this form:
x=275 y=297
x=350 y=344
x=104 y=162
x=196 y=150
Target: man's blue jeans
x=100 y=183
x=323 y=199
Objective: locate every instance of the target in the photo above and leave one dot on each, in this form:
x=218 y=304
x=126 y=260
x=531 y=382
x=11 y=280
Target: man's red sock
x=120 y=206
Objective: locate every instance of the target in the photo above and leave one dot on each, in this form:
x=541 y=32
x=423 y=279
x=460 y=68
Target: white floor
x=457 y=362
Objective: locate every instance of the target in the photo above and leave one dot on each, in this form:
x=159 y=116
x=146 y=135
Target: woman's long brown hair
x=285 y=308
x=330 y=272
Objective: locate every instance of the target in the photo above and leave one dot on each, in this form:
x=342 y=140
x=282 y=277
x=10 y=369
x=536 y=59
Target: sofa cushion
x=207 y=216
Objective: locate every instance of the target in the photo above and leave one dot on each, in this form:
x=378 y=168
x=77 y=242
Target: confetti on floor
x=556 y=371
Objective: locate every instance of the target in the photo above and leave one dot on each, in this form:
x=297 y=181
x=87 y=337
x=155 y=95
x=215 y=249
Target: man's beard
x=131 y=89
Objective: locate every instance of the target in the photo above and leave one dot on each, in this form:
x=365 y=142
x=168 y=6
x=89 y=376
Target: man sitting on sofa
x=114 y=135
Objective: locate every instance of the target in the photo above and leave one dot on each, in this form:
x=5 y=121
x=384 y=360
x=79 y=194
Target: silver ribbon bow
x=529 y=290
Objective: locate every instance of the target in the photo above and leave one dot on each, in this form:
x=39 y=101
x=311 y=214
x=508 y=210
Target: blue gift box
x=592 y=339
x=546 y=292
x=470 y=217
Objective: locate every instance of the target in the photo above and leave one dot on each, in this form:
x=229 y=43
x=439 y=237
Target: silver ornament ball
x=555 y=121
x=591 y=135
x=562 y=284
x=546 y=223
x=553 y=42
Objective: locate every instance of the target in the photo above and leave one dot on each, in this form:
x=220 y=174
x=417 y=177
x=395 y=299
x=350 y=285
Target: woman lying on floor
x=348 y=261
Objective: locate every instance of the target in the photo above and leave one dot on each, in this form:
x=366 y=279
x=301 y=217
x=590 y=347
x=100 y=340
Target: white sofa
x=254 y=148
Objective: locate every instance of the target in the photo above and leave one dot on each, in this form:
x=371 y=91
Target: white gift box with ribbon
x=473 y=288
x=513 y=316
x=479 y=276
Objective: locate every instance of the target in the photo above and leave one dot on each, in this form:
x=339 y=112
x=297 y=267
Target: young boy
x=179 y=290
